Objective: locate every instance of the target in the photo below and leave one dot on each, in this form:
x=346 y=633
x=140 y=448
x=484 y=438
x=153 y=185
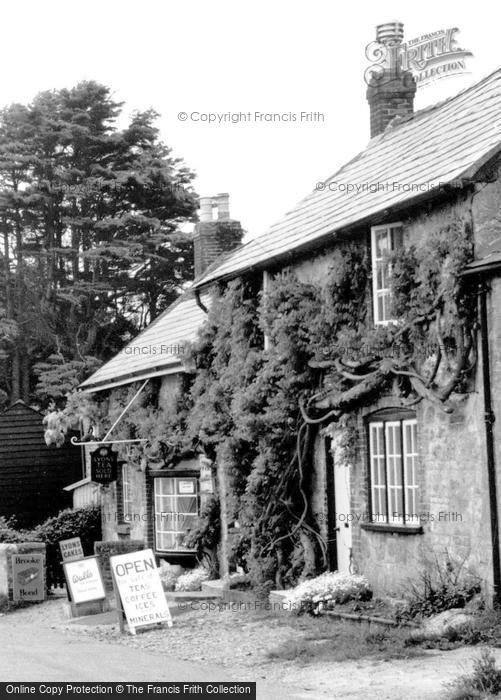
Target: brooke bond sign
x=103 y=465
x=28 y=577
x=138 y=582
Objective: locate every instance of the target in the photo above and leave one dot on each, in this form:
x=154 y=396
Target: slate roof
x=440 y=144
x=158 y=350
x=444 y=143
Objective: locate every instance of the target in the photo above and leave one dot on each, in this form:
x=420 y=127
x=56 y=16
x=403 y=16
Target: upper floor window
x=393 y=456
x=385 y=240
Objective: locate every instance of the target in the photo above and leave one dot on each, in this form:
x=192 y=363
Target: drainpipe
x=489 y=419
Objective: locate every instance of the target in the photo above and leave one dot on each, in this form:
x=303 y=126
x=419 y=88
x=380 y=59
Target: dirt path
x=214 y=645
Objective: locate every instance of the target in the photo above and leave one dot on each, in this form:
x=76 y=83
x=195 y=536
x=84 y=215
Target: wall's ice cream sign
x=427 y=58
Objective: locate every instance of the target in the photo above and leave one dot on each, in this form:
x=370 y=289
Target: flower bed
x=326 y=591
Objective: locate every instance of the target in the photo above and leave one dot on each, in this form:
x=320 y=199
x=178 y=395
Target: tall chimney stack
x=215 y=236
x=391 y=90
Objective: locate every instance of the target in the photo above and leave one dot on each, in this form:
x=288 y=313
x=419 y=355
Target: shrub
x=82 y=522
x=9 y=534
x=168 y=577
x=327 y=590
x=485 y=681
x=442 y=587
x=192 y=581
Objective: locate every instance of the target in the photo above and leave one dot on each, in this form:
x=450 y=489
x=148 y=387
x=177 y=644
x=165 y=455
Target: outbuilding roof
x=439 y=145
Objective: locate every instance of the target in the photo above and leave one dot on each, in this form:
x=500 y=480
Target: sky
x=204 y=57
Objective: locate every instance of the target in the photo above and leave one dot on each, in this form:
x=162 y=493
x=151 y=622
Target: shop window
x=176 y=510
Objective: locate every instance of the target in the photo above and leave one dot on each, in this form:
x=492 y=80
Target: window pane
x=382 y=243
x=186 y=504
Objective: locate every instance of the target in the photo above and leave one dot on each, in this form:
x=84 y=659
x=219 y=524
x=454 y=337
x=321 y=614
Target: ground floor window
x=393 y=456
x=176 y=510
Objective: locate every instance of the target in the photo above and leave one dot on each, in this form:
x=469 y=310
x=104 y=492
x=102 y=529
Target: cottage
x=415 y=472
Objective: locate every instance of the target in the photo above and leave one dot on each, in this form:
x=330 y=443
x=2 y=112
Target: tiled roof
x=440 y=144
x=158 y=350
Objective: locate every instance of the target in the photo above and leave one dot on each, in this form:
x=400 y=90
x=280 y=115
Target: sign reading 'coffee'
x=103 y=465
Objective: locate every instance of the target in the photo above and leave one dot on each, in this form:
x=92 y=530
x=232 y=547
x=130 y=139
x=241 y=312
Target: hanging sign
x=137 y=581
x=103 y=465
x=28 y=577
x=71 y=549
x=84 y=580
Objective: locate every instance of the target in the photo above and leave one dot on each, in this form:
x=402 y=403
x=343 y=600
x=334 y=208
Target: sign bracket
x=105 y=441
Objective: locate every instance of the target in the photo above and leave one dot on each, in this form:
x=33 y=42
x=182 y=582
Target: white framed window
x=393 y=456
x=176 y=511
x=126 y=493
x=384 y=240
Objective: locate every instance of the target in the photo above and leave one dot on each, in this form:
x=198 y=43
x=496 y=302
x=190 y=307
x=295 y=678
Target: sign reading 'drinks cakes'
x=103 y=465
x=138 y=582
x=71 y=549
x=84 y=580
x=28 y=577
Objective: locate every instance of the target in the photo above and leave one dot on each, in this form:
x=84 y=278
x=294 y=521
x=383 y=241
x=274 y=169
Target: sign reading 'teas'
x=138 y=582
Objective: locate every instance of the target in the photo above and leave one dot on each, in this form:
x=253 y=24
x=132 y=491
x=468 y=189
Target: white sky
x=223 y=55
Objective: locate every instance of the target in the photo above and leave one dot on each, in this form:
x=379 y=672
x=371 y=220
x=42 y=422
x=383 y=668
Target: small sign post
x=139 y=591
x=103 y=465
x=84 y=580
x=71 y=549
x=28 y=577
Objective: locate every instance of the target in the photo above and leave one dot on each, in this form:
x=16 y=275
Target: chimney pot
x=214 y=237
x=391 y=89
x=223 y=206
x=205 y=208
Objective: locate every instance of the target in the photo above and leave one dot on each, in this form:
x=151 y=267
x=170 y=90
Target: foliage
x=168 y=576
x=327 y=590
x=91 y=214
x=82 y=522
x=483 y=682
x=254 y=408
x=10 y=535
x=444 y=586
x=192 y=580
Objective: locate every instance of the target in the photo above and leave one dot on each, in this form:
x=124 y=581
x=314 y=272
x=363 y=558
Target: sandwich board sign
x=84 y=580
x=137 y=584
x=28 y=577
x=71 y=549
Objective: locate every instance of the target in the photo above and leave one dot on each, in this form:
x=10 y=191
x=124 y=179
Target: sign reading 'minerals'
x=138 y=582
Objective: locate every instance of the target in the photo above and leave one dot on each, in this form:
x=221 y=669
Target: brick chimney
x=215 y=236
x=391 y=89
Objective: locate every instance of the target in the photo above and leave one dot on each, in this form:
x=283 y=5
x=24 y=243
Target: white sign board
x=71 y=549
x=84 y=580
x=140 y=588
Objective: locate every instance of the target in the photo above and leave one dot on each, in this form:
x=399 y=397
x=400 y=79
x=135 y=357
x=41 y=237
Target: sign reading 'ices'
x=84 y=580
x=28 y=577
x=103 y=465
x=138 y=583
